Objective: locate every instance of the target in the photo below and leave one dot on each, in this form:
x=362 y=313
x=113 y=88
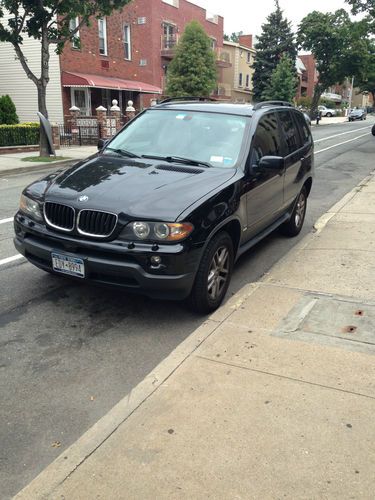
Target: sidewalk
x=326 y=120
x=12 y=162
x=272 y=397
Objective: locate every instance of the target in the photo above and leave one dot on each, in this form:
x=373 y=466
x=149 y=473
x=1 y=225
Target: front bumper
x=112 y=263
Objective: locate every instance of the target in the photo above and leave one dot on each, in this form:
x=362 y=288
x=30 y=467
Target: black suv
x=168 y=204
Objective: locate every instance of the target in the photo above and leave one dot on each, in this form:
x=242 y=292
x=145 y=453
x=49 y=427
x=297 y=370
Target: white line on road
x=4 y=221
x=11 y=259
x=342 y=133
x=340 y=143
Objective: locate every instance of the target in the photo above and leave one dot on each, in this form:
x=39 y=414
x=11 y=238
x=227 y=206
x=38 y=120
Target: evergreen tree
x=275 y=40
x=283 y=83
x=192 y=71
x=8 y=114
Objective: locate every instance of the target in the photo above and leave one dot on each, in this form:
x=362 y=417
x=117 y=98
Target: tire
x=373 y=130
x=217 y=262
x=294 y=225
x=328 y=115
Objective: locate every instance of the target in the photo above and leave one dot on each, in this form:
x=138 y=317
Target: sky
x=249 y=15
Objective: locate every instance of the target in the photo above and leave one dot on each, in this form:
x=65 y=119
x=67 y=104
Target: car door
x=264 y=197
x=294 y=156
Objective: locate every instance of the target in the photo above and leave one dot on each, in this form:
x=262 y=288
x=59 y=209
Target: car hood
x=134 y=188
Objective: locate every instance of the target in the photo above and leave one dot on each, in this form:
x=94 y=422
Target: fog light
x=155 y=260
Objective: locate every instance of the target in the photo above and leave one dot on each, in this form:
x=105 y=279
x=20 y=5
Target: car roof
x=210 y=106
x=220 y=107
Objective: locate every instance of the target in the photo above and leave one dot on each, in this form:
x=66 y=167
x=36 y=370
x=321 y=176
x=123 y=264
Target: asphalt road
x=69 y=352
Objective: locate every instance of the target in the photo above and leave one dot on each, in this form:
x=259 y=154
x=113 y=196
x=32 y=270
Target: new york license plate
x=68 y=265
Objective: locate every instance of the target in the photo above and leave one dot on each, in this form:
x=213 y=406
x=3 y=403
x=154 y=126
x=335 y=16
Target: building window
x=248 y=57
x=141 y=20
x=143 y=62
x=169 y=36
x=73 y=23
x=127 y=42
x=82 y=99
x=174 y=3
x=213 y=43
x=240 y=80
x=247 y=81
x=102 y=24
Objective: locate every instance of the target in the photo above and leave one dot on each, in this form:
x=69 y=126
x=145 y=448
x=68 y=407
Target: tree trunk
x=42 y=89
x=318 y=91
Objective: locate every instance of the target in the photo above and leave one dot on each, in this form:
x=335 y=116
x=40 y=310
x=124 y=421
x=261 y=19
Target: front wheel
x=213 y=275
x=329 y=115
x=294 y=225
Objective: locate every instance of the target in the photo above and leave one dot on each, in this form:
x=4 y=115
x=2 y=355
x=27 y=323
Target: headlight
x=31 y=208
x=157 y=231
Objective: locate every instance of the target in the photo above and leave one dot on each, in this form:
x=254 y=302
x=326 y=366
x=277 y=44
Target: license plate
x=68 y=265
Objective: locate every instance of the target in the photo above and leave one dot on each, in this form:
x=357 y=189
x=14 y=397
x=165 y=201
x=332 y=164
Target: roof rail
x=264 y=104
x=186 y=98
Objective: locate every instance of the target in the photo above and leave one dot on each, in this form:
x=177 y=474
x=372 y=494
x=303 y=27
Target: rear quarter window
x=291 y=135
x=303 y=128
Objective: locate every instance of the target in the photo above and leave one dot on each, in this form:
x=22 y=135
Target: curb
x=39 y=166
x=64 y=465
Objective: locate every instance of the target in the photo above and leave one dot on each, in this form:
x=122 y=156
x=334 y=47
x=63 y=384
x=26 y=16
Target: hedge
x=19 y=135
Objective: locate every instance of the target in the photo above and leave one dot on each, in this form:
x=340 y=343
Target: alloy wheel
x=218 y=273
x=300 y=209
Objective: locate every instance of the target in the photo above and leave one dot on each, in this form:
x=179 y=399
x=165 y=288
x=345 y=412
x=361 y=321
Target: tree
x=283 y=83
x=275 y=40
x=366 y=83
x=234 y=37
x=192 y=71
x=8 y=114
x=50 y=22
x=340 y=48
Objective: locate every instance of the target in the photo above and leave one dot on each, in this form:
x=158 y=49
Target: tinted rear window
x=291 y=135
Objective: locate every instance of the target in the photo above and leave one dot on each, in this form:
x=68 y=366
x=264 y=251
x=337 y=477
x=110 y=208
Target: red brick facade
x=146 y=64
x=309 y=77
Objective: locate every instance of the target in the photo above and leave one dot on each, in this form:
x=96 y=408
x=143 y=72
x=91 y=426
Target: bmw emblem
x=83 y=198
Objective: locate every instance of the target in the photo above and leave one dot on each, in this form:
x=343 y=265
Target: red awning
x=106 y=82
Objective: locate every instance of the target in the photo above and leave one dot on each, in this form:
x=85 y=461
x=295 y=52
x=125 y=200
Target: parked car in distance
x=357 y=114
x=327 y=111
x=167 y=206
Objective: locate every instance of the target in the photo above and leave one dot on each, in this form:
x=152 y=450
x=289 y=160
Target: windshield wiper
x=123 y=152
x=179 y=159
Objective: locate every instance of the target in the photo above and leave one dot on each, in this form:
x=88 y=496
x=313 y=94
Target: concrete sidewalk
x=272 y=397
x=12 y=163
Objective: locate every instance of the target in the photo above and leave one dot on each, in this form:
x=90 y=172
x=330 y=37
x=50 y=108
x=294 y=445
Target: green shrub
x=8 y=114
x=19 y=135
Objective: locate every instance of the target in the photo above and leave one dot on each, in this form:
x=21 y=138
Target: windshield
x=213 y=138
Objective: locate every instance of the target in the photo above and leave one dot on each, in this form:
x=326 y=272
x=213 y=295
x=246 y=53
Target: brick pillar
x=130 y=111
x=56 y=136
x=101 y=113
x=116 y=114
x=74 y=114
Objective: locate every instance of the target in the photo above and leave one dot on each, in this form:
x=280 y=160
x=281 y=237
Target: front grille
x=59 y=216
x=95 y=223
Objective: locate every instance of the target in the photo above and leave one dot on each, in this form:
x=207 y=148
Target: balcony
x=223 y=59
x=168 y=44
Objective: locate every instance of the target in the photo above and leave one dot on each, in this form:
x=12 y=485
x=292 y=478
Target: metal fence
x=79 y=135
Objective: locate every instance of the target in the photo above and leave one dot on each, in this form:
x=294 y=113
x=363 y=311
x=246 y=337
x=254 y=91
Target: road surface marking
x=340 y=143
x=11 y=259
x=343 y=133
x=4 y=221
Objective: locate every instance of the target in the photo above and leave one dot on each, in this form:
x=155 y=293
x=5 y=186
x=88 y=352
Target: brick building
x=308 y=77
x=123 y=56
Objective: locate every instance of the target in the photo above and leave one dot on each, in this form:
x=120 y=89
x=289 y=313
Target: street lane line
x=340 y=143
x=343 y=133
x=11 y=259
x=4 y=221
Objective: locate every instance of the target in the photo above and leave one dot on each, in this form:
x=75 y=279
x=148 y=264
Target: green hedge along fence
x=23 y=134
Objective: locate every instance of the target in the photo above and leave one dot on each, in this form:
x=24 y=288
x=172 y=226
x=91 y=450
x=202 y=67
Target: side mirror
x=102 y=143
x=271 y=163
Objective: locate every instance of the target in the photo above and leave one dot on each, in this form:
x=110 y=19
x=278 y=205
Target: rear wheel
x=329 y=115
x=213 y=275
x=294 y=225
